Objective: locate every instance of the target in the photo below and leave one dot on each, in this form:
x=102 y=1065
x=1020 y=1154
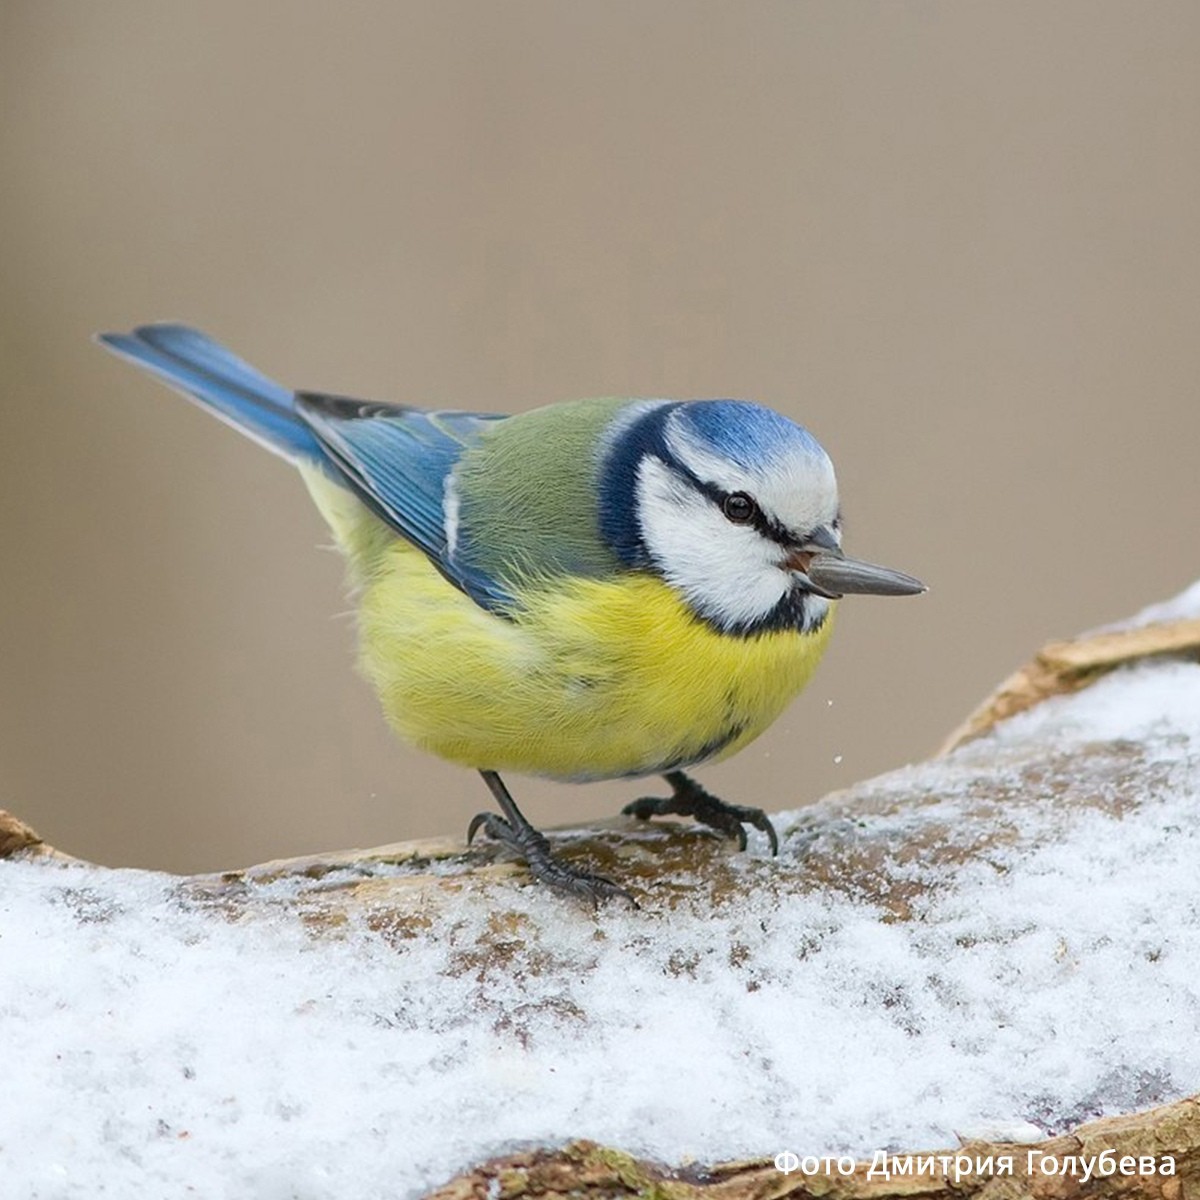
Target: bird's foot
x=524 y=840
x=689 y=799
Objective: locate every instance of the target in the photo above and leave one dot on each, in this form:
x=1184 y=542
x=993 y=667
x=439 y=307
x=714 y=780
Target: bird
x=594 y=589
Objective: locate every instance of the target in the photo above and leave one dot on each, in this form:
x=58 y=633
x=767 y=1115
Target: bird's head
x=736 y=507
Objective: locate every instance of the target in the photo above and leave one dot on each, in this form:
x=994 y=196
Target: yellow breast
x=596 y=679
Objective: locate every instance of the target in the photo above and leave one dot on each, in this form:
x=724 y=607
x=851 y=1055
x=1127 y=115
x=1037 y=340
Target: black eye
x=739 y=508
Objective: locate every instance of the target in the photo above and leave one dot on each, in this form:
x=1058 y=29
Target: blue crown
x=747 y=434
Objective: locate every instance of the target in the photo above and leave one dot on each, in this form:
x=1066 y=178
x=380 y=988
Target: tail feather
x=209 y=375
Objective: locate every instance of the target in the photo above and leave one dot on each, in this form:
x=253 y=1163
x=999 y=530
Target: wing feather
x=398 y=460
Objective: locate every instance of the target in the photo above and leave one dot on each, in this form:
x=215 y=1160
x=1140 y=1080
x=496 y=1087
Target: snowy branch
x=998 y=945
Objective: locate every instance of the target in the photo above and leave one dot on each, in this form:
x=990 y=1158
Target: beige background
x=957 y=240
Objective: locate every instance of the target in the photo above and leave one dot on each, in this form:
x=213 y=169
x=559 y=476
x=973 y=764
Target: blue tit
x=590 y=590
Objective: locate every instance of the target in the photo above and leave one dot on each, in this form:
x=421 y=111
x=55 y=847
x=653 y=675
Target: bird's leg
x=689 y=799
x=515 y=832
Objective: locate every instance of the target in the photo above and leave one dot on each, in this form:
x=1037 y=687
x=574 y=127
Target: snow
x=158 y=1039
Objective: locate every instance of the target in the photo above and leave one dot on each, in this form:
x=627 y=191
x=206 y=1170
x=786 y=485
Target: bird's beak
x=829 y=573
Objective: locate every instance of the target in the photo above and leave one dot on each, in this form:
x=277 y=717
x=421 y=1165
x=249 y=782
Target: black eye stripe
x=758 y=520
x=768 y=527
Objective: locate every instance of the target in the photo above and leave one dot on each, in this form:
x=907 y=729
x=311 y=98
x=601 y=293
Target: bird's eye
x=739 y=508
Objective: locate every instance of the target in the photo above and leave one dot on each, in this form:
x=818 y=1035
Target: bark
x=585 y=1171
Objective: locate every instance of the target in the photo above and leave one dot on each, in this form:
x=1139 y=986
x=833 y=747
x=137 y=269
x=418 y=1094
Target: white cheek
x=728 y=573
x=816 y=609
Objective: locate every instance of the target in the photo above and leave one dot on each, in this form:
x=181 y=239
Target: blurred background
x=959 y=241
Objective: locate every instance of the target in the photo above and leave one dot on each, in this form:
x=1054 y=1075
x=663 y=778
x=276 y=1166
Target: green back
x=529 y=495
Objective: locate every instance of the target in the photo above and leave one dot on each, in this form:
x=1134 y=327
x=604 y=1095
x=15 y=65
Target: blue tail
x=209 y=375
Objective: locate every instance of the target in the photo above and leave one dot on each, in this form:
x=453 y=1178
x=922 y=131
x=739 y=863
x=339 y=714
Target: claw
x=689 y=799
x=480 y=821
x=515 y=832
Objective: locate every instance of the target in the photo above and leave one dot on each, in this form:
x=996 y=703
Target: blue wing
x=396 y=459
